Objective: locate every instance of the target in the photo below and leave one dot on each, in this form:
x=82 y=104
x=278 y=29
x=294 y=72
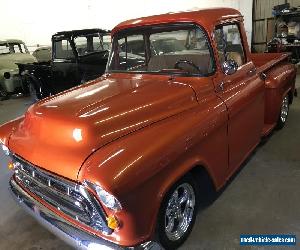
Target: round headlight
x=6 y=75
x=108 y=199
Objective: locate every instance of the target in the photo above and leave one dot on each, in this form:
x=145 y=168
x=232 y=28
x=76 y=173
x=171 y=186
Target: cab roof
x=10 y=41
x=205 y=17
x=81 y=32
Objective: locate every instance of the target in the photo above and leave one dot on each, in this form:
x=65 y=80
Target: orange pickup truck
x=121 y=162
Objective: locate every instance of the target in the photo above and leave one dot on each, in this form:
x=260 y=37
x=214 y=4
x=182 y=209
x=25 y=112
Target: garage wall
x=263 y=21
x=35 y=21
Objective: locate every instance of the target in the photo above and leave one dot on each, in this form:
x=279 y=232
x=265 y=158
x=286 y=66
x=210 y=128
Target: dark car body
x=77 y=56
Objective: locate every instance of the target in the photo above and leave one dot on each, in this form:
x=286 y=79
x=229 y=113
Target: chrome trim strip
x=63 y=229
x=45 y=174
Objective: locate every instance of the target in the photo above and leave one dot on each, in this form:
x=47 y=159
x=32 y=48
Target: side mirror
x=229 y=67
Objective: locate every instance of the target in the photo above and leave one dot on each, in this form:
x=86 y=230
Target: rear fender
x=280 y=81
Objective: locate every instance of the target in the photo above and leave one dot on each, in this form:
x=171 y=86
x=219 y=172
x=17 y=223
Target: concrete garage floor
x=262 y=198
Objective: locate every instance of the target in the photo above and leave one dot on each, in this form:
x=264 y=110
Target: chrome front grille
x=70 y=198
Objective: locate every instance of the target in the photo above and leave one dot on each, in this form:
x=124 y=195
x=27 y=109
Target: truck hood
x=8 y=61
x=59 y=133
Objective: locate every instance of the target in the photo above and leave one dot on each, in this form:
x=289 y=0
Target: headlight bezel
x=105 y=197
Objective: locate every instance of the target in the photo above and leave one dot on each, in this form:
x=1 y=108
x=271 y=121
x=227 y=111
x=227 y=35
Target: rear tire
x=178 y=212
x=284 y=111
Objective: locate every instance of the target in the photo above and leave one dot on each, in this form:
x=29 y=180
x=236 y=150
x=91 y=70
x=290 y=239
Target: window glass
x=23 y=48
x=102 y=43
x=17 y=48
x=63 y=49
x=81 y=45
x=229 y=44
x=4 y=49
x=106 y=42
x=91 y=43
x=165 y=48
x=131 y=50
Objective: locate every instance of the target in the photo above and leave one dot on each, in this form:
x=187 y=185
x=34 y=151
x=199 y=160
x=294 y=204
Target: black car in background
x=77 y=56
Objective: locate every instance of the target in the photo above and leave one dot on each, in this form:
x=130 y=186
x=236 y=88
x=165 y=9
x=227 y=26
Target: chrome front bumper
x=65 y=230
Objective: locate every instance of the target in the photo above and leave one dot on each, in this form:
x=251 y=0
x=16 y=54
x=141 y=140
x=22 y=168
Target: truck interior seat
x=236 y=56
x=168 y=61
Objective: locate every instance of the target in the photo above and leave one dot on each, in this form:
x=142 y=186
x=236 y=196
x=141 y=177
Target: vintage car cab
x=123 y=162
x=12 y=51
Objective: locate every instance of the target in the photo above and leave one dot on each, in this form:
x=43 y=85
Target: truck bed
x=279 y=81
x=265 y=61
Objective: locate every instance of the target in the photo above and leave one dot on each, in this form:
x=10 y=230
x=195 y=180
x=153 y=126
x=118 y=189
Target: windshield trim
x=169 y=26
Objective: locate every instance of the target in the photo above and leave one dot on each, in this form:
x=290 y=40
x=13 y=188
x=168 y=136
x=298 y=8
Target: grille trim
x=68 y=197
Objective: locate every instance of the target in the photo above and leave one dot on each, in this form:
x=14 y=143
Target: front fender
x=141 y=167
x=7 y=129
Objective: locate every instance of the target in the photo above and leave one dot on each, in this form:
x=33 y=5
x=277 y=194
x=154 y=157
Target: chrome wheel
x=284 y=109
x=179 y=212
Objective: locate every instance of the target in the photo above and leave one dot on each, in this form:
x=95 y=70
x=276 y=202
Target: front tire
x=284 y=111
x=178 y=213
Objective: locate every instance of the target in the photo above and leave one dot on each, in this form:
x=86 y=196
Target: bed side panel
x=279 y=82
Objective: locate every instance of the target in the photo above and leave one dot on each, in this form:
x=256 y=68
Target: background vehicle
x=42 y=54
x=77 y=56
x=132 y=154
x=12 y=51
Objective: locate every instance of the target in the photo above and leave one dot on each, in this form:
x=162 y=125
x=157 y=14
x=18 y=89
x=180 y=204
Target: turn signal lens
x=10 y=166
x=112 y=222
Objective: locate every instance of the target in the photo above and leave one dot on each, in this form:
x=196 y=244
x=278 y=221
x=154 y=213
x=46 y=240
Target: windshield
x=84 y=45
x=10 y=48
x=92 y=43
x=4 y=49
x=162 y=49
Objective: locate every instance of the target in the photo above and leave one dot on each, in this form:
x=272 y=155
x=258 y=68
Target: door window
x=63 y=49
x=229 y=44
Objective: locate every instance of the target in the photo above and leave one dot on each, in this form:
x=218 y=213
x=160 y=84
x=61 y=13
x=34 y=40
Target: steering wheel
x=176 y=66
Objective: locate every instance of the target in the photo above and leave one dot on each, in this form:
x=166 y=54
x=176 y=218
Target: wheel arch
x=198 y=170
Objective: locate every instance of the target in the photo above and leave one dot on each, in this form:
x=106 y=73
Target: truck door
x=64 y=65
x=241 y=91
